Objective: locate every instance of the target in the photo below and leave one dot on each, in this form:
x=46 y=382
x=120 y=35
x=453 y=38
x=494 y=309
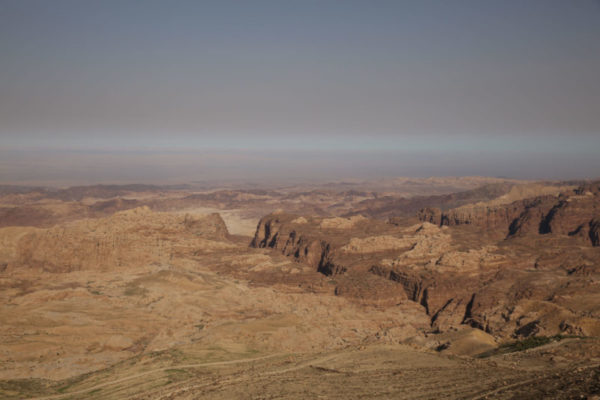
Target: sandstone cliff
x=458 y=275
x=127 y=239
x=571 y=213
x=595 y=231
x=294 y=237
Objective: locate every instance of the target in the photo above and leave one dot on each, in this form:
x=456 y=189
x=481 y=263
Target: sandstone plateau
x=399 y=288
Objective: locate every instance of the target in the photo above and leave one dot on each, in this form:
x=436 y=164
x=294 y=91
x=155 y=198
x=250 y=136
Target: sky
x=340 y=88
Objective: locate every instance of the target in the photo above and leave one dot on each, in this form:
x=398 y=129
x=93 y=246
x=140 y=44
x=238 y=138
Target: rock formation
x=595 y=231
x=102 y=279
x=128 y=238
x=571 y=214
x=452 y=267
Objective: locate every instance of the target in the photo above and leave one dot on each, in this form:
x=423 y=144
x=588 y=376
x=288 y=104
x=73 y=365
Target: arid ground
x=458 y=288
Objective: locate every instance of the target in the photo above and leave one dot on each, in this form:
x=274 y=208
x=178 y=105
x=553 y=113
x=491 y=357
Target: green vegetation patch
x=23 y=388
x=525 y=344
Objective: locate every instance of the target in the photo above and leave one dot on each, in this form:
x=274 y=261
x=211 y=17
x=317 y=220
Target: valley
x=467 y=288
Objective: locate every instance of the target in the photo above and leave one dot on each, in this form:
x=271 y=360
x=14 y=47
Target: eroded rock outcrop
x=571 y=213
x=459 y=277
x=492 y=218
x=129 y=238
x=595 y=231
x=294 y=237
x=209 y=226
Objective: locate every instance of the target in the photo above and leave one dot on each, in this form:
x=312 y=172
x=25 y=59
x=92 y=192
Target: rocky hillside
x=456 y=272
x=571 y=213
x=498 y=193
x=128 y=238
x=393 y=206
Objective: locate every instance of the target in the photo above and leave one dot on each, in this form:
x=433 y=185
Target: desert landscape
x=301 y=199
x=490 y=290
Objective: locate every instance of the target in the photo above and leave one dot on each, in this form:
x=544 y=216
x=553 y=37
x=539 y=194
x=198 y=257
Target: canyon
x=440 y=287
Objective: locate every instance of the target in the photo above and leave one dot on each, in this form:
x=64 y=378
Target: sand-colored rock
x=127 y=239
x=460 y=274
x=142 y=303
x=464 y=342
x=341 y=223
x=373 y=244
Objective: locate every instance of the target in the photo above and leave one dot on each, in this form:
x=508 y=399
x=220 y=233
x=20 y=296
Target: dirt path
x=399 y=375
x=377 y=372
x=153 y=371
x=304 y=364
x=493 y=393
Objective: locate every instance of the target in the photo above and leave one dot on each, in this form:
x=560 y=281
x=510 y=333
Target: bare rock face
x=458 y=274
x=431 y=214
x=491 y=218
x=361 y=262
x=570 y=214
x=595 y=231
x=394 y=206
x=341 y=223
x=373 y=244
x=293 y=236
x=369 y=289
x=534 y=212
x=129 y=238
x=150 y=284
x=209 y=226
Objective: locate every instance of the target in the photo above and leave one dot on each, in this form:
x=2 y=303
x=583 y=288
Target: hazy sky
x=453 y=78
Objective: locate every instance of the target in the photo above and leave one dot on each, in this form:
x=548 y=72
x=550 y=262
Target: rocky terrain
x=44 y=207
x=466 y=289
x=509 y=287
x=571 y=212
